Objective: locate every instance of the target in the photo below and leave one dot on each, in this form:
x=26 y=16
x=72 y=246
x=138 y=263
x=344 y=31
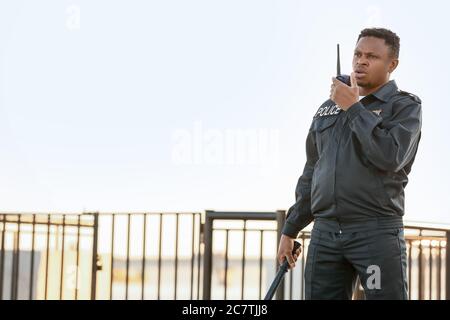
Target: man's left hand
x=343 y=95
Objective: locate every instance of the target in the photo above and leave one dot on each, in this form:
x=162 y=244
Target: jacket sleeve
x=299 y=215
x=389 y=146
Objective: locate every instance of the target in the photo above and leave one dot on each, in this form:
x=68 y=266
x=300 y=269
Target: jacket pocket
x=326 y=123
x=323 y=130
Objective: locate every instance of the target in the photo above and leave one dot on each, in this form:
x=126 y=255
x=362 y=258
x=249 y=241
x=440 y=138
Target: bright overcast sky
x=194 y=105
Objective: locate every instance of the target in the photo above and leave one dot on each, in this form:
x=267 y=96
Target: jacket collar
x=386 y=91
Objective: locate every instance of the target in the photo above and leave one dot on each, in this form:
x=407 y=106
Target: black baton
x=280 y=274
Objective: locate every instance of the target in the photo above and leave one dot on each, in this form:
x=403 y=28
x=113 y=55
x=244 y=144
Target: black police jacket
x=358 y=160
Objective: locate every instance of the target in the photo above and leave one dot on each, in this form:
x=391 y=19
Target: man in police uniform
x=359 y=154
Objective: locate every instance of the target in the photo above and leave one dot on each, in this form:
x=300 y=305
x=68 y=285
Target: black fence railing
x=216 y=255
x=37 y=251
x=428 y=274
x=150 y=256
x=211 y=257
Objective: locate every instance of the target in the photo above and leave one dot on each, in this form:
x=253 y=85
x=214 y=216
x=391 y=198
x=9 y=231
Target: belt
x=339 y=225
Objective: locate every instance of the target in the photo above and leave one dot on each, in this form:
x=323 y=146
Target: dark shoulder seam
x=410 y=95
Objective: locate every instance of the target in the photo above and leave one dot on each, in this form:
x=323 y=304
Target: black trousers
x=335 y=258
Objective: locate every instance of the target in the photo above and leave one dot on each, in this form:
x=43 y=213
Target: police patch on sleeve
x=328 y=109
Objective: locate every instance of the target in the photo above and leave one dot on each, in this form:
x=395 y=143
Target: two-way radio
x=341 y=77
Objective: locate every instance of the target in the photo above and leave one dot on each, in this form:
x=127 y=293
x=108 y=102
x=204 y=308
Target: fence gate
x=241 y=248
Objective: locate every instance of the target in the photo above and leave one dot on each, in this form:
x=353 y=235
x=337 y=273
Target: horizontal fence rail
x=215 y=255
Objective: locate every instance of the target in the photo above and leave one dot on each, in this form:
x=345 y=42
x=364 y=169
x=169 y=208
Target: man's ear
x=393 y=65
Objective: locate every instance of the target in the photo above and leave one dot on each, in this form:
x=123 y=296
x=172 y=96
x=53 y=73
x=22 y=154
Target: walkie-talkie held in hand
x=341 y=77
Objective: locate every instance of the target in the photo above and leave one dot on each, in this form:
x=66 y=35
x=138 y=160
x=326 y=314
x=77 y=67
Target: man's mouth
x=360 y=73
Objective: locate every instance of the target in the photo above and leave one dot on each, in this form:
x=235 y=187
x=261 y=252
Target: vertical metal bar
x=159 y=255
x=430 y=266
x=94 y=258
x=447 y=266
x=261 y=240
x=78 y=257
x=47 y=255
x=16 y=289
x=2 y=256
x=13 y=267
x=226 y=263
x=409 y=267
x=112 y=256
x=291 y=283
x=144 y=239
x=15 y=264
x=61 y=282
x=421 y=295
x=128 y=257
x=33 y=234
x=439 y=271
x=192 y=255
x=243 y=261
x=176 y=256
x=200 y=239
x=207 y=256
x=302 y=293
x=281 y=217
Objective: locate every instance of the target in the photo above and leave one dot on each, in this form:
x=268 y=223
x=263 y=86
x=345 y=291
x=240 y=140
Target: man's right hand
x=285 y=251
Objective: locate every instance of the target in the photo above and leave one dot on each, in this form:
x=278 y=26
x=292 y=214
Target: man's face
x=372 y=62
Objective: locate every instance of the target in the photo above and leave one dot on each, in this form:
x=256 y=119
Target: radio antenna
x=338 y=61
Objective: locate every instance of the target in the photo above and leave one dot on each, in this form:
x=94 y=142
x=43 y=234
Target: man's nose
x=361 y=61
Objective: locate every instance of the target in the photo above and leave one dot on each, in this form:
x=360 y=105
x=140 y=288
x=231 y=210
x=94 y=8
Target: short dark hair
x=390 y=38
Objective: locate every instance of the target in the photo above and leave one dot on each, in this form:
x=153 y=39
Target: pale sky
x=193 y=105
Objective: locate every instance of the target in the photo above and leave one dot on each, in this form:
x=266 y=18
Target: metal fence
x=227 y=228
x=38 y=250
x=428 y=262
x=150 y=256
x=216 y=255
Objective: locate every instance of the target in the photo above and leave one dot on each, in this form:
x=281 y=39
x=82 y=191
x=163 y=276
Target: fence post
x=94 y=258
x=207 y=258
x=447 y=266
x=2 y=255
x=281 y=217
